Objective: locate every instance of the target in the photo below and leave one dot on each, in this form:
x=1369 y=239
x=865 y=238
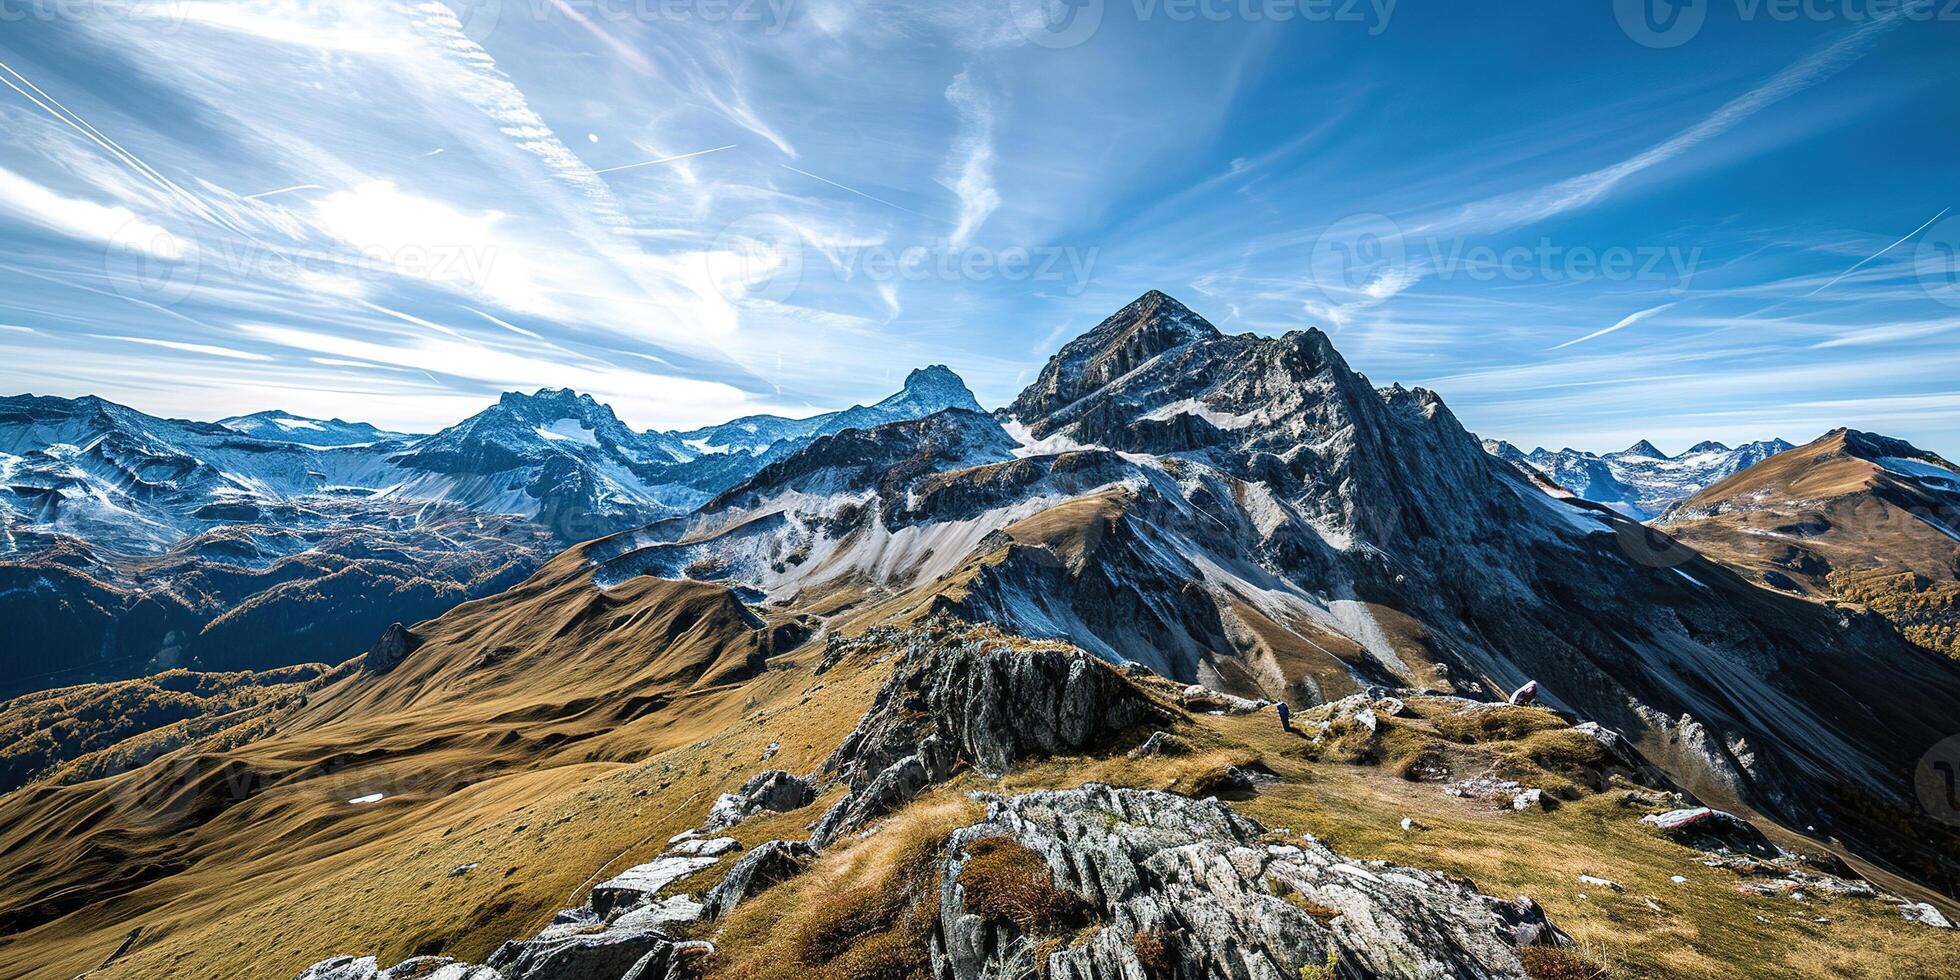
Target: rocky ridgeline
x=1188 y=886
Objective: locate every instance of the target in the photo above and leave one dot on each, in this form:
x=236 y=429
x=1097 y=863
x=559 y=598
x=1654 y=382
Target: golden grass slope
x=559 y=733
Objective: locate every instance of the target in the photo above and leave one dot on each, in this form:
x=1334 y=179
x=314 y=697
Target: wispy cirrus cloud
x=1524 y=207
x=969 y=170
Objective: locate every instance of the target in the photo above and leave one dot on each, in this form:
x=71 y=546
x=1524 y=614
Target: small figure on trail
x=1285 y=716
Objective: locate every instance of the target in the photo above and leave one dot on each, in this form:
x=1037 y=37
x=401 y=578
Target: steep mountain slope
x=1639 y=481
x=1250 y=513
x=1852 y=516
x=500 y=705
x=126 y=723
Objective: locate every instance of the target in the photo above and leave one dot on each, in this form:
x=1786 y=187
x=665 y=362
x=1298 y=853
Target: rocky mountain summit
x=1250 y=513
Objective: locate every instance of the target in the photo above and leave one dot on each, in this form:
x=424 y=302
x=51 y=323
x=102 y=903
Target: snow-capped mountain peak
x=1640 y=450
x=1151 y=325
x=930 y=389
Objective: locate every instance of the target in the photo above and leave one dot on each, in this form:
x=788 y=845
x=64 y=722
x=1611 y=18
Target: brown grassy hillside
x=1829 y=520
x=560 y=732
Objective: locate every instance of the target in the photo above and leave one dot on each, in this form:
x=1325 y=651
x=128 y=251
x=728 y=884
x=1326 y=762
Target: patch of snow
x=370 y=798
x=1192 y=406
x=289 y=425
x=1919 y=469
x=1027 y=445
x=568 y=430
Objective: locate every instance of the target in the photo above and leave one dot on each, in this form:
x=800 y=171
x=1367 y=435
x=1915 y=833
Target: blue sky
x=1581 y=233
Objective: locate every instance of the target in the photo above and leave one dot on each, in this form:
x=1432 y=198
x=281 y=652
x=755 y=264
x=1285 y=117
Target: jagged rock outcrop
x=418 y=968
x=774 y=790
x=766 y=865
x=623 y=932
x=394 y=646
x=611 y=955
x=1225 y=898
x=958 y=701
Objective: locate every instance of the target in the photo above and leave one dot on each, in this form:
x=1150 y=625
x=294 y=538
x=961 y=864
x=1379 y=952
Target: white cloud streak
x=1511 y=210
x=1628 y=321
x=969 y=173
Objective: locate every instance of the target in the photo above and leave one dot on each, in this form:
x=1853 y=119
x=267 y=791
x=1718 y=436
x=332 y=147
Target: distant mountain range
x=147 y=543
x=1639 y=481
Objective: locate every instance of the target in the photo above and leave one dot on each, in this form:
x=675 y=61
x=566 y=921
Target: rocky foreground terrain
x=974 y=695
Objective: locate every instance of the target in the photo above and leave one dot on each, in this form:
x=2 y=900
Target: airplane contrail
x=73 y=120
x=1867 y=259
x=1630 y=320
x=853 y=190
x=284 y=190
x=649 y=163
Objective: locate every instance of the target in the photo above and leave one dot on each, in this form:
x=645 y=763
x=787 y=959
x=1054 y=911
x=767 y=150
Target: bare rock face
x=768 y=864
x=418 y=968
x=981 y=702
x=1151 y=325
x=395 y=645
x=774 y=790
x=1216 y=895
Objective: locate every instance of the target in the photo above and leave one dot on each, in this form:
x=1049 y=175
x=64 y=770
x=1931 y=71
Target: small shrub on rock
x=1007 y=882
x=1156 y=951
x=1552 y=963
